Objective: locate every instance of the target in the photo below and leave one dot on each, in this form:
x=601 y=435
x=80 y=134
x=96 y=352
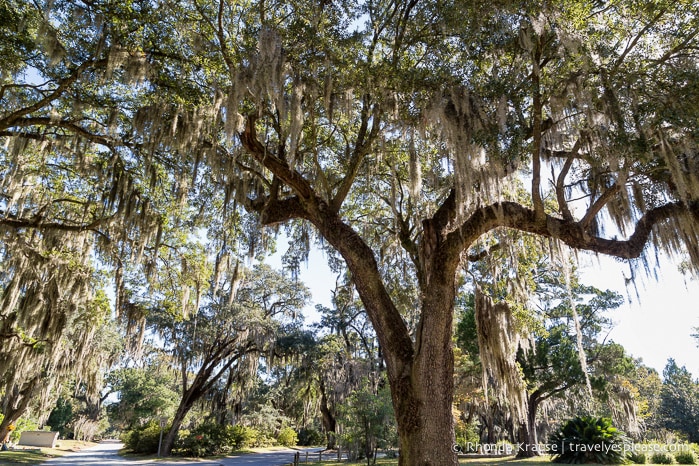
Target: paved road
x=105 y=454
x=273 y=458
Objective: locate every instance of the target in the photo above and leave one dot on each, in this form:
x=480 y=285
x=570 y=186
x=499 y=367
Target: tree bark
x=329 y=422
x=186 y=403
x=528 y=438
x=16 y=405
x=426 y=424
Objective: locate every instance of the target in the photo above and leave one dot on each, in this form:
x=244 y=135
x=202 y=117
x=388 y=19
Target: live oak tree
x=66 y=199
x=529 y=356
x=394 y=128
x=557 y=97
x=228 y=329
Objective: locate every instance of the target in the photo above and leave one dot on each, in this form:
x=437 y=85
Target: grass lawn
x=510 y=461
x=33 y=455
x=470 y=462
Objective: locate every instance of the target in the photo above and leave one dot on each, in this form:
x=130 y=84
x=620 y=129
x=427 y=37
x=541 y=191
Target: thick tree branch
x=361 y=149
x=279 y=167
x=518 y=217
x=359 y=257
x=275 y=211
x=10 y=119
x=433 y=232
x=65 y=124
x=475 y=257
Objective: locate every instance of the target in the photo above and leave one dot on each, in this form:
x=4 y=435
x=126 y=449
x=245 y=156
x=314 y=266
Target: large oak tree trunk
x=420 y=369
x=425 y=420
x=423 y=403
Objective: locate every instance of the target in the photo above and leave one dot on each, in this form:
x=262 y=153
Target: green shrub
x=588 y=440
x=143 y=439
x=23 y=425
x=213 y=439
x=638 y=457
x=244 y=437
x=661 y=458
x=252 y=437
x=263 y=440
x=287 y=437
x=310 y=437
x=125 y=437
x=686 y=457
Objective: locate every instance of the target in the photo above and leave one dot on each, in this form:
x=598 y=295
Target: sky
x=655 y=323
x=658 y=323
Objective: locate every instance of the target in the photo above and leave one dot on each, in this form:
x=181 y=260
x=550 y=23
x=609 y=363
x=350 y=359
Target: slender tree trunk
x=169 y=439
x=220 y=407
x=10 y=418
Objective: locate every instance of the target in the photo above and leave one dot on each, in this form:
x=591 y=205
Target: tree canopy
x=409 y=135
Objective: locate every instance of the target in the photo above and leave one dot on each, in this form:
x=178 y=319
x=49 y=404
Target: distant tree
x=143 y=394
x=679 y=396
x=368 y=420
x=345 y=356
x=550 y=365
x=290 y=367
x=649 y=386
x=228 y=331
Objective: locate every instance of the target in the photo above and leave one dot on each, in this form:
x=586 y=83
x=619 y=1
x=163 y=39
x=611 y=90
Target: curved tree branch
x=10 y=119
x=361 y=149
x=39 y=223
x=515 y=216
x=599 y=204
x=65 y=124
x=279 y=167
